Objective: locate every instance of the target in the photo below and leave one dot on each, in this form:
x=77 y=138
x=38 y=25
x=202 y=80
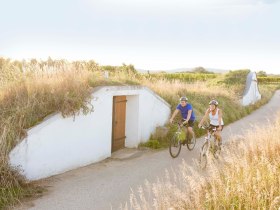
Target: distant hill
x=182 y=70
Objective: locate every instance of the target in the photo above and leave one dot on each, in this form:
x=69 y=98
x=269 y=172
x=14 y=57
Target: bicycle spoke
x=175 y=146
x=217 y=152
x=217 y=149
x=191 y=142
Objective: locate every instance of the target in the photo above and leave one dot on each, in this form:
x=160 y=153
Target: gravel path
x=106 y=184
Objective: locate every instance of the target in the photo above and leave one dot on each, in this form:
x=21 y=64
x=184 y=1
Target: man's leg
x=191 y=133
x=186 y=132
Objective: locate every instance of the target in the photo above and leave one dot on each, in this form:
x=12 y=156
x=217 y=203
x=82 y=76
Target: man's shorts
x=189 y=124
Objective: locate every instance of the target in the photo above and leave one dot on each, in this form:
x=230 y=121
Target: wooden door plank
x=119 y=114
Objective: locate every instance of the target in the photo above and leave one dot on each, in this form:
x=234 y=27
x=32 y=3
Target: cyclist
x=216 y=119
x=187 y=113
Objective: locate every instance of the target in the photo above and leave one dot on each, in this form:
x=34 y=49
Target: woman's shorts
x=215 y=126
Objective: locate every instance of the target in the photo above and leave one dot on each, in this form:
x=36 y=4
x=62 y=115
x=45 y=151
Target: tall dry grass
x=247 y=177
x=169 y=87
x=26 y=102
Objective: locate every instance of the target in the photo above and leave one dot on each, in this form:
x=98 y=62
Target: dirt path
x=107 y=184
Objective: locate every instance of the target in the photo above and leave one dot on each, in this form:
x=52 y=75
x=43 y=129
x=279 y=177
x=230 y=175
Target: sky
x=149 y=34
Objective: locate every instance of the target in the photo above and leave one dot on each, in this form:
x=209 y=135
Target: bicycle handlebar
x=178 y=123
x=208 y=128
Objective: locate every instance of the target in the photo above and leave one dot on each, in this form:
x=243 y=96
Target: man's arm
x=173 y=115
x=189 y=115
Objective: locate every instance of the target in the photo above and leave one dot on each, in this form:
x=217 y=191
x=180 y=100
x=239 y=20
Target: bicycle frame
x=180 y=131
x=208 y=147
x=180 y=138
x=211 y=141
x=211 y=133
x=180 y=128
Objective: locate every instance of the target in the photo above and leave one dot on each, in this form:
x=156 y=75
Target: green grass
x=269 y=80
x=232 y=110
x=13 y=186
x=153 y=144
x=183 y=77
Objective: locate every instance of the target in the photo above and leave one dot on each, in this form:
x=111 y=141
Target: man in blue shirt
x=187 y=113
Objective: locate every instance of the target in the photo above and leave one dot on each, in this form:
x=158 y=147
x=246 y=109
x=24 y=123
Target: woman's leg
x=218 y=137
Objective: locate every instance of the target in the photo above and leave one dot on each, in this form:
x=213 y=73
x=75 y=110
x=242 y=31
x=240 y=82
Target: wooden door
x=118 y=129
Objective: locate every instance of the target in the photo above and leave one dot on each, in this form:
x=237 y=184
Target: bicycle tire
x=203 y=155
x=175 y=146
x=191 y=143
x=217 y=151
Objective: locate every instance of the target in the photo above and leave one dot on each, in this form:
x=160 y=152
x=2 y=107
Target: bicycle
x=210 y=146
x=178 y=139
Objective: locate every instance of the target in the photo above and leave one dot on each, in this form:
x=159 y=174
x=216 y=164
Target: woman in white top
x=216 y=119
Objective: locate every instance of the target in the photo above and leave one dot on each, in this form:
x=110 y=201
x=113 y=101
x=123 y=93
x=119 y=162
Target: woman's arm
x=220 y=115
x=204 y=118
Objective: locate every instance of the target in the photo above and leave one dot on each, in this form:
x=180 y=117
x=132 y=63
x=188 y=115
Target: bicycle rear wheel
x=203 y=155
x=175 y=146
x=191 y=142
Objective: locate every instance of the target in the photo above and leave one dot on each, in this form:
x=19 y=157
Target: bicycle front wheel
x=175 y=146
x=203 y=155
x=191 y=141
x=217 y=150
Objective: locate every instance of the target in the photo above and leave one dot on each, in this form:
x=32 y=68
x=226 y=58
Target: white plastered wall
x=60 y=144
x=252 y=95
x=132 y=125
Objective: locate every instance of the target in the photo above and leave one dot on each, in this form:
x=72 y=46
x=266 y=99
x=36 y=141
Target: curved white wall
x=252 y=94
x=60 y=144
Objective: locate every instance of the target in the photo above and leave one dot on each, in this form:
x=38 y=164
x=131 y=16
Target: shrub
x=236 y=77
x=269 y=80
x=154 y=144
